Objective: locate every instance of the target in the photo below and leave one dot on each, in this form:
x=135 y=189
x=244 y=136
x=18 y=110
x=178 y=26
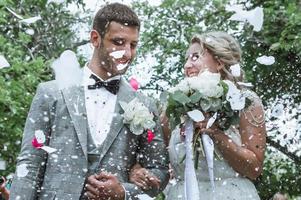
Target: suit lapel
x=125 y=94
x=75 y=101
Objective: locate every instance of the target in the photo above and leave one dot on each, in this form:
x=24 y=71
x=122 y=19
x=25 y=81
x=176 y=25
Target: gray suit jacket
x=61 y=115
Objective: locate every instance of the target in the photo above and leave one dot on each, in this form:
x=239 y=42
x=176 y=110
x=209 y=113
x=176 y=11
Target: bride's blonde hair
x=224 y=48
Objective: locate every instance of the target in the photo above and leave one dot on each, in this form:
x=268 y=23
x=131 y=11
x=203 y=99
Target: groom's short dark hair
x=114 y=12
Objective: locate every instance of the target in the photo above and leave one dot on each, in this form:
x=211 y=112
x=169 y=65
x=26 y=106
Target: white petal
x=31 y=20
x=211 y=120
x=245 y=84
x=117 y=54
x=2 y=165
x=255 y=18
x=29 y=31
x=55 y=1
x=3 y=62
x=237 y=17
x=144 y=197
x=67 y=63
x=266 y=60
x=237 y=102
x=12 y=12
x=48 y=149
x=40 y=136
x=196 y=115
x=22 y=170
x=122 y=66
x=235 y=70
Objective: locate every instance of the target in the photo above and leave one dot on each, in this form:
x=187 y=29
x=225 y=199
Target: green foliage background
x=165 y=35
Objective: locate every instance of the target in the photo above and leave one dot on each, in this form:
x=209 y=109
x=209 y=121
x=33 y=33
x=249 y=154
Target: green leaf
x=195 y=97
x=180 y=97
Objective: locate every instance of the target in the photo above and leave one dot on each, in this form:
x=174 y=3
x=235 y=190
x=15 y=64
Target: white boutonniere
x=137 y=115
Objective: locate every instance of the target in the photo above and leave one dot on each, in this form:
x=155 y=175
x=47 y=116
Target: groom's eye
x=118 y=41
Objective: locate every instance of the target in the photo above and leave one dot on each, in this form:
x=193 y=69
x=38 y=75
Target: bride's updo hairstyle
x=224 y=48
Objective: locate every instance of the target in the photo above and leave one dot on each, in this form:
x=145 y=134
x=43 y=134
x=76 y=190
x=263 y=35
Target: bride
x=240 y=150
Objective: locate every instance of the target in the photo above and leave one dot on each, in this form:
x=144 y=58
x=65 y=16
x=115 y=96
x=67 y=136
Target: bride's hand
x=143 y=178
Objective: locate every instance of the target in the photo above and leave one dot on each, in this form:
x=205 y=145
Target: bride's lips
x=192 y=73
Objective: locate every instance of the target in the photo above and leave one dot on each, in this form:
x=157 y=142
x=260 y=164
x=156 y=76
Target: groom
x=95 y=149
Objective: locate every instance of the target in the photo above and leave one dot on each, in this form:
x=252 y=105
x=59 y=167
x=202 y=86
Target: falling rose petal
x=235 y=70
x=278 y=110
x=40 y=136
x=245 y=84
x=134 y=83
x=22 y=170
x=3 y=62
x=48 y=149
x=211 y=120
x=196 y=115
x=122 y=66
x=36 y=144
x=117 y=54
x=150 y=136
x=30 y=31
x=31 y=20
x=266 y=60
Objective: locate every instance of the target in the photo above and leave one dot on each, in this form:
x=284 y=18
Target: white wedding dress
x=229 y=185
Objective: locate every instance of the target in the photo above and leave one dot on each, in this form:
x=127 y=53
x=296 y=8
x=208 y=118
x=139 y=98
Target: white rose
x=207 y=83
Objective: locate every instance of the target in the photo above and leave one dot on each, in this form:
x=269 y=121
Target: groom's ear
x=95 y=38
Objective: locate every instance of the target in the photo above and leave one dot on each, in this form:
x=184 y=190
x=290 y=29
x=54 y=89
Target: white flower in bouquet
x=207 y=84
x=138 y=116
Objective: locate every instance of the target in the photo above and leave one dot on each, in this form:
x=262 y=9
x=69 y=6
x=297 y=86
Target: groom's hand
x=104 y=186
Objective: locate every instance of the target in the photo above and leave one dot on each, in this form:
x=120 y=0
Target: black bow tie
x=112 y=86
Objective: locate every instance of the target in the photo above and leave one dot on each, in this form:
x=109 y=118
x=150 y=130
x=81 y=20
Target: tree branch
x=284 y=150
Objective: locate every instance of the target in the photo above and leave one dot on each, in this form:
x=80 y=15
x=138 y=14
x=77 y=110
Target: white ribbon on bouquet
x=190 y=179
x=191 y=189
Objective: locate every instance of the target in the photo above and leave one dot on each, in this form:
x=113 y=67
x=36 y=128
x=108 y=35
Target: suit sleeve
x=31 y=161
x=152 y=156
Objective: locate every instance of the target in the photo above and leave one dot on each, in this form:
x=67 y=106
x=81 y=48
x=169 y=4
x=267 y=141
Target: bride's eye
x=194 y=57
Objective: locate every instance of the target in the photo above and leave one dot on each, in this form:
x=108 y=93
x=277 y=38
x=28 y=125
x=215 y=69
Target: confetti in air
x=254 y=17
x=3 y=62
x=266 y=60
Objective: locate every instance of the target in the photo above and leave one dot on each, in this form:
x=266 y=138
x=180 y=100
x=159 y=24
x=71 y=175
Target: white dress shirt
x=100 y=105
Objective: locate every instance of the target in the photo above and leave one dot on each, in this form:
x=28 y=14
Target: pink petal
x=36 y=144
x=134 y=83
x=150 y=136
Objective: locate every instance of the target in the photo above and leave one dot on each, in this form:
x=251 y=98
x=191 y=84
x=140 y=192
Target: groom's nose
x=130 y=52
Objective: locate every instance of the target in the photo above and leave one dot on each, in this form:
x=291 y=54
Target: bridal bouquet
x=187 y=102
x=205 y=93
